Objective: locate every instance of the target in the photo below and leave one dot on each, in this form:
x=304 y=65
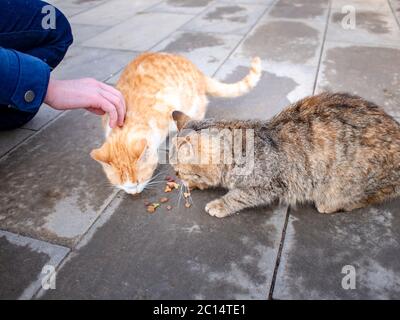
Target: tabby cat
x=336 y=150
x=153 y=85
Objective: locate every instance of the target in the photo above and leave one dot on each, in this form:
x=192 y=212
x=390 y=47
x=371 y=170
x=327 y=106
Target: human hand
x=87 y=93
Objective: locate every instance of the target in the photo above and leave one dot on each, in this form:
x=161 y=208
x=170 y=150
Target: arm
x=25 y=83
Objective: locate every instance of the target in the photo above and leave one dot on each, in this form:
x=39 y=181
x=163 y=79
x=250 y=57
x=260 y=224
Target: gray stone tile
x=318 y=246
x=277 y=88
x=113 y=12
x=76 y=3
x=274 y=39
x=73 y=7
x=372 y=26
x=11 y=138
x=83 y=32
x=182 y=6
x=300 y=10
x=303 y=3
x=206 y=50
x=44 y=115
x=82 y=62
x=139 y=33
x=395 y=6
x=22 y=261
x=70 y=11
x=262 y=2
x=52 y=190
x=360 y=4
x=227 y=18
x=371 y=72
x=177 y=254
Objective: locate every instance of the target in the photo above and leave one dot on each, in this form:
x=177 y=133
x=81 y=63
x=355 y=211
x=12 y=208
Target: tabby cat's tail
x=231 y=90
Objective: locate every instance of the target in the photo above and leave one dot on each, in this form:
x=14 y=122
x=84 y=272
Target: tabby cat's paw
x=217 y=208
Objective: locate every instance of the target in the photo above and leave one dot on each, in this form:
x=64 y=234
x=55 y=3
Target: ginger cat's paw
x=217 y=208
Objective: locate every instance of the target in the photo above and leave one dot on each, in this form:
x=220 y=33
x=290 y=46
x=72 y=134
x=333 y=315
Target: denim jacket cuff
x=33 y=79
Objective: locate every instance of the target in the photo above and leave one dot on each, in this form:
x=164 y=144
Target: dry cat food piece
x=152 y=208
x=169 y=208
x=173 y=185
x=164 y=199
x=188 y=204
x=186 y=194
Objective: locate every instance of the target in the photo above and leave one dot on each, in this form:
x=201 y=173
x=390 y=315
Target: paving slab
x=372 y=25
x=101 y=64
x=73 y=7
x=227 y=18
x=81 y=4
x=11 y=138
x=289 y=41
x=275 y=90
x=300 y=9
x=44 y=116
x=206 y=50
x=262 y=2
x=22 y=261
x=395 y=6
x=182 y=6
x=178 y=254
x=368 y=71
x=360 y=4
x=303 y=3
x=140 y=33
x=113 y=12
x=52 y=190
x=317 y=248
x=83 y=32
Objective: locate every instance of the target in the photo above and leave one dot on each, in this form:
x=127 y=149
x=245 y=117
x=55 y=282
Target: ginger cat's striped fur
x=154 y=85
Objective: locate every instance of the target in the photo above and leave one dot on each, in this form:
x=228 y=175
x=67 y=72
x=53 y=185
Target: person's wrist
x=49 y=98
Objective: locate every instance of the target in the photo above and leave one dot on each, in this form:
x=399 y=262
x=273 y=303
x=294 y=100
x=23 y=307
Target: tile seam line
x=245 y=35
x=25 y=235
x=322 y=47
x=279 y=255
x=82 y=46
x=73 y=250
x=393 y=13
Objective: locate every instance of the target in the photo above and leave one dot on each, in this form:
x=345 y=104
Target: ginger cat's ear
x=101 y=154
x=139 y=148
x=180 y=119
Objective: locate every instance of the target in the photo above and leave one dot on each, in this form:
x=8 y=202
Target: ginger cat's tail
x=231 y=90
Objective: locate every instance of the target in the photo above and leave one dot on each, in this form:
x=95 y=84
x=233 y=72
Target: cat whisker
x=180 y=194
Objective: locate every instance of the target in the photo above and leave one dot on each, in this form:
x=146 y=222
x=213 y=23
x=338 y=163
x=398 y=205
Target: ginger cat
x=154 y=85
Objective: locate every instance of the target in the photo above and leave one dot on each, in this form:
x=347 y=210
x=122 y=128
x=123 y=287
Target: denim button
x=29 y=96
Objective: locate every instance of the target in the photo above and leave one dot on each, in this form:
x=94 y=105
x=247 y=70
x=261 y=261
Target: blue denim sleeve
x=23 y=80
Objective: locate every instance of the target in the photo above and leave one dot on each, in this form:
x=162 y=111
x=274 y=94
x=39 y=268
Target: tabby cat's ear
x=180 y=119
x=101 y=154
